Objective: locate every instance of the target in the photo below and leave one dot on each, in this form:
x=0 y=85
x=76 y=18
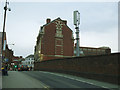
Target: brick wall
x=89 y=66
x=48 y=42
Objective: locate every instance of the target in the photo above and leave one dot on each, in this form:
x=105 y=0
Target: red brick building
x=7 y=53
x=17 y=59
x=88 y=51
x=55 y=40
x=4 y=41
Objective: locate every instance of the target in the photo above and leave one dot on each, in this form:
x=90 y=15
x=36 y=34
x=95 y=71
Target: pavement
x=41 y=79
x=17 y=79
x=0 y=81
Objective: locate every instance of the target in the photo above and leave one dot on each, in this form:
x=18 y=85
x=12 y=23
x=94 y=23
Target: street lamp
x=5 y=8
x=11 y=44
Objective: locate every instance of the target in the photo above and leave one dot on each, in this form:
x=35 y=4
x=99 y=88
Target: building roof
x=54 y=21
x=104 y=47
x=30 y=56
x=94 y=47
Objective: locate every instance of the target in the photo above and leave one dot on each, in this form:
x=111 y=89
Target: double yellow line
x=47 y=87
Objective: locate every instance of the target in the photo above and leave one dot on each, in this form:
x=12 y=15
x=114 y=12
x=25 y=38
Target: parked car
x=23 y=68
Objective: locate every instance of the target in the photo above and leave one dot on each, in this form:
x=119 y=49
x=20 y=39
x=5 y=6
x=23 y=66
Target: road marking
x=47 y=87
x=44 y=85
x=73 y=79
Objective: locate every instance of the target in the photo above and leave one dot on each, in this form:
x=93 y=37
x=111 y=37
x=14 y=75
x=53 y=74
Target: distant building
x=29 y=60
x=0 y=43
x=16 y=62
x=7 y=53
x=4 y=41
x=55 y=40
x=17 y=58
x=88 y=51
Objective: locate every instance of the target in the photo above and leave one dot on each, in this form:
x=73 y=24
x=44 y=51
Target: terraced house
x=55 y=40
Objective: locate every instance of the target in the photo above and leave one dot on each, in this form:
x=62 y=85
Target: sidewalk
x=17 y=79
x=0 y=82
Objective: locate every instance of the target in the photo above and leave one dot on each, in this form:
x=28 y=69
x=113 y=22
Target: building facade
x=4 y=42
x=7 y=53
x=88 y=51
x=16 y=62
x=55 y=40
x=29 y=60
x=0 y=43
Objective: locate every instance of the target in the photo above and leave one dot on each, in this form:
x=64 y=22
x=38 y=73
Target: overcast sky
x=99 y=23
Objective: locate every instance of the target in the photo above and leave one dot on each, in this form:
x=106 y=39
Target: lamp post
x=11 y=44
x=77 y=23
x=5 y=8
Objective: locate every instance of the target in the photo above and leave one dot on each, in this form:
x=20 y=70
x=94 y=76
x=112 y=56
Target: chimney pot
x=48 y=20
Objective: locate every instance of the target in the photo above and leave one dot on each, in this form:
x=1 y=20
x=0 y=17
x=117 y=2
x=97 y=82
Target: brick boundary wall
x=101 y=67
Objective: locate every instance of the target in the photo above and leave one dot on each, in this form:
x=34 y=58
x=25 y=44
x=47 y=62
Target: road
x=40 y=79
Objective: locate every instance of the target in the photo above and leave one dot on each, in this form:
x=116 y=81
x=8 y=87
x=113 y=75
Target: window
x=84 y=49
x=59 y=33
x=89 y=49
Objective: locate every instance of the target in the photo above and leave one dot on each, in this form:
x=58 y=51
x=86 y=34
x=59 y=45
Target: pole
x=3 y=33
x=77 y=41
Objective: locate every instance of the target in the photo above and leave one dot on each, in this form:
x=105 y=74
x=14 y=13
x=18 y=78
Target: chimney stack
x=65 y=22
x=48 y=20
